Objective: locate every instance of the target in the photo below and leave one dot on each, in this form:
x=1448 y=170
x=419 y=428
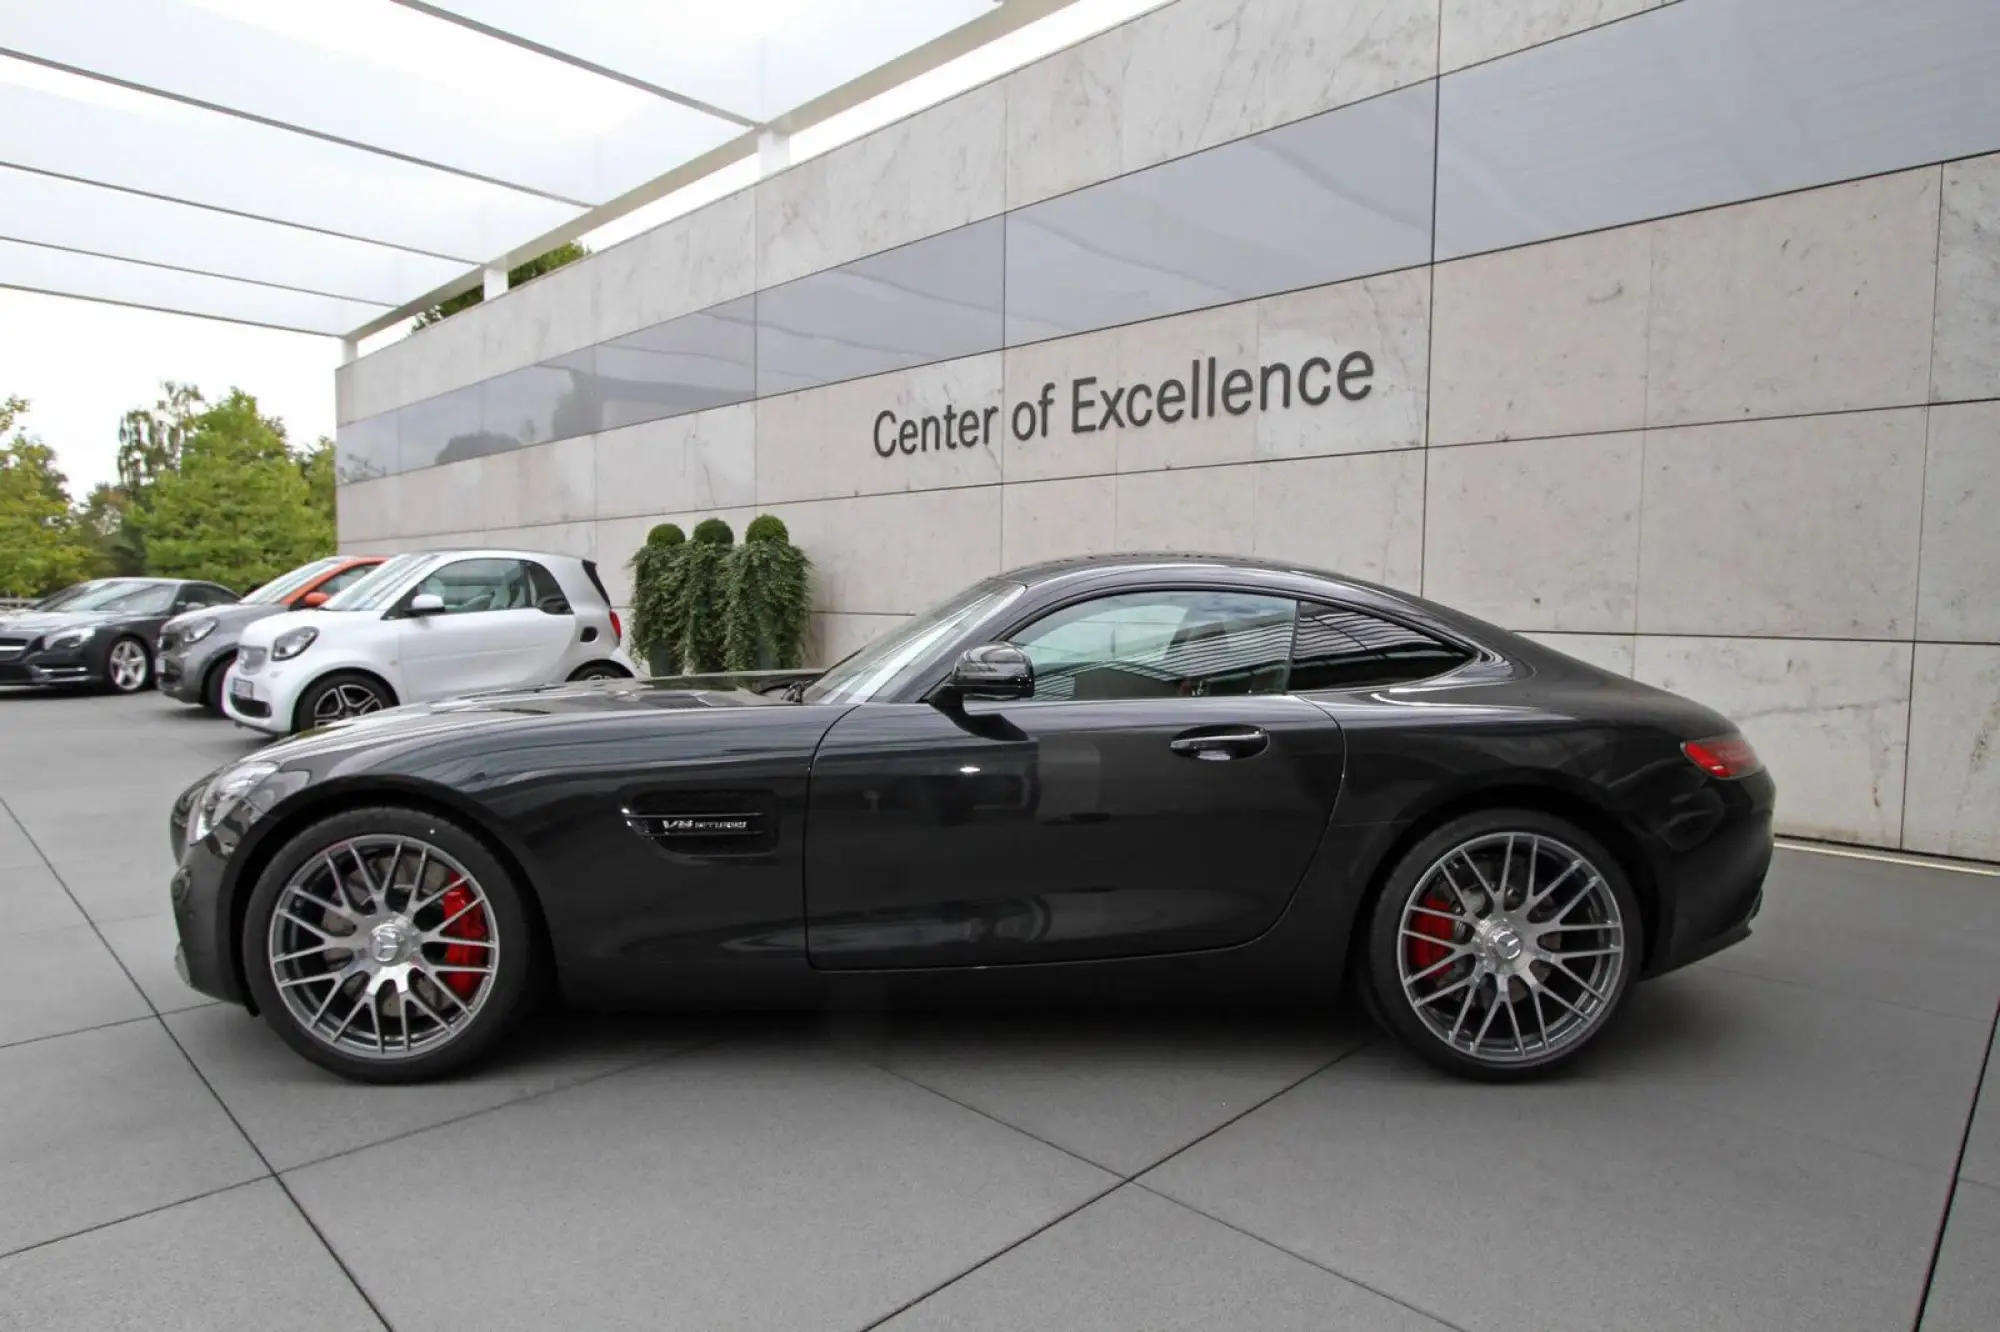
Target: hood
x=232 y=616
x=29 y=624
x=417 y=723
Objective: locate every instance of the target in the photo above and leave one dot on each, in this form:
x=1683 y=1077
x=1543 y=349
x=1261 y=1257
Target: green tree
x=566 y=253
x=150 y=439
x=316 y=464
x=101 y=521
x=239 y=508
x=40 y=546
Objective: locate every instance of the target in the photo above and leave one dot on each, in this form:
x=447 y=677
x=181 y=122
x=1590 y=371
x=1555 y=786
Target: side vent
x=705 y=823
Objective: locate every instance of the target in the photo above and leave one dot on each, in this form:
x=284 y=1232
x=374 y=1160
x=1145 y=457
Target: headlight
x=197 y=631
x=292 y=642
x=68 y=638
x=224 y=794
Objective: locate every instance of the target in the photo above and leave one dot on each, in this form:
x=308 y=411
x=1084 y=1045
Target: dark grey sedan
x=103 y=633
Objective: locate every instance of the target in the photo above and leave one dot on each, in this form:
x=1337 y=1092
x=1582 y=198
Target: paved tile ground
x=1783 y=1137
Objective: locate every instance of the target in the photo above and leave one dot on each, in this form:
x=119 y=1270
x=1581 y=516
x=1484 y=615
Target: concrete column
x=774 y=152
x=496 y=280
x=349 y=350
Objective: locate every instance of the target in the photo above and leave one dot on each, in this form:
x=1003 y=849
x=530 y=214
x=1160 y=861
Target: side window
x=1161 y=645
x=347 y=577
x=468 y=587
x=1345 y=649
x=547 y=591
x=204 y=594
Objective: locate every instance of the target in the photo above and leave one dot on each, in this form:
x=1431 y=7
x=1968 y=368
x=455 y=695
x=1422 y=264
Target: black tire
x=1398 y=1011
x=306 y=714
x=125 y=644
x=514 y=983
x=211 y=685
x=600 y=670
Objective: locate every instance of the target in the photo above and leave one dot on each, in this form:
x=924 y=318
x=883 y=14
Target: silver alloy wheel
x=127 y=665
x=383 y=947
x=345 y=700
x=1516 y=923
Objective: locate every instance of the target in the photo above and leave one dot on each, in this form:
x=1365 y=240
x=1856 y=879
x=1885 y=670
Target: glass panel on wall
x=701 y=360
x=1695 y=105
x=366 y=448
x=444 y=429
x=931 y=300
x=538 y=403
x=1341 y=195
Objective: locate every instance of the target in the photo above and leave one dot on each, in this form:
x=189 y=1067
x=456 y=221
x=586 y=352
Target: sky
x=82 y=365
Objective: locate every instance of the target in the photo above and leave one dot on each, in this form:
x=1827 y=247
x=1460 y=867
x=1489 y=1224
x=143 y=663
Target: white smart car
x=426 y=626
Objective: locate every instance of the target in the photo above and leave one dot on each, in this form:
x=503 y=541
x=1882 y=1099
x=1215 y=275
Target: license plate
x=241 y=688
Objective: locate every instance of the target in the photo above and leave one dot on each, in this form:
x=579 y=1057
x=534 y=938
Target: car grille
x=250 y=660
x=169 y=639
x=11 y=648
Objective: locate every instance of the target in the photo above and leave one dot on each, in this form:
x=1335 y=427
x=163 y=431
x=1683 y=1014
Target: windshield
x=127 y=595
x=67 y=595
x=376 y=590
x=885 y=663
x=285 y=584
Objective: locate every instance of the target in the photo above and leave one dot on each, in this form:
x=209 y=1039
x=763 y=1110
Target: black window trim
x=1476 y=653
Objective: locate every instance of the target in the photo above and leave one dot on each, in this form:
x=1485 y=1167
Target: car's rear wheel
x=389 y=945
x=600 y=670
x=211 y=685
x=128 y=667
x=338 y=697
x=1503 y=944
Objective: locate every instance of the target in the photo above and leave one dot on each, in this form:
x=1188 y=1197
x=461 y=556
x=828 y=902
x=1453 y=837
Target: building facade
x=1668 y=333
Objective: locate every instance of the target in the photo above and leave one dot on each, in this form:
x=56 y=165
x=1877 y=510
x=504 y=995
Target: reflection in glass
x=931 y=300
x=539 y=403
x=1338 y=196
x=366 y=448
x=700 y=360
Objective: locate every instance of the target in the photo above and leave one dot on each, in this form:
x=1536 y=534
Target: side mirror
x=998 y=671
x=312 y=601
x=427 y=603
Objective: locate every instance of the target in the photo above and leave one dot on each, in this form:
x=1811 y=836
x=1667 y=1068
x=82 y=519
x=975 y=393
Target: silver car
x=196 y=648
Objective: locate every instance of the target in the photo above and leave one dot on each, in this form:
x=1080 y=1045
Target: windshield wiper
x=795 y=692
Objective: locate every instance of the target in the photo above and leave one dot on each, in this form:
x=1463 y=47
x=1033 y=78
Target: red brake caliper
x=1422 y=952
x=471 y=925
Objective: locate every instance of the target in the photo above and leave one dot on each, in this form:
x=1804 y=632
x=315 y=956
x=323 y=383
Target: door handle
x=1217 y=746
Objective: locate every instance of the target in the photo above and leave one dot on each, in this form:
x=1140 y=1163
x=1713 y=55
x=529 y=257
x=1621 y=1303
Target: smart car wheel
x=1503 y=944
x=388 y=945
x=211 y=685
x=128 y=667
x=338 y=697
x=599 y=670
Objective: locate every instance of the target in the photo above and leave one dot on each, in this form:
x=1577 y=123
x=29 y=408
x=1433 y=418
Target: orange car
x=196 y=648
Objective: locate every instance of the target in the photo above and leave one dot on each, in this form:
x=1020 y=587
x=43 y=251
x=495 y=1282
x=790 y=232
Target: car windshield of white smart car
x=880 y=667
x=380 y=588
x=285 y=584
x=129 y=596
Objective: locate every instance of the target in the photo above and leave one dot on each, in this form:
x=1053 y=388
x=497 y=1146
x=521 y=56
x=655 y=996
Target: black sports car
x=104 y=632
x=1201 y=778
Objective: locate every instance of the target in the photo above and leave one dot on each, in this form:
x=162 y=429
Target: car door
x=490 y=634
x=1159 y=793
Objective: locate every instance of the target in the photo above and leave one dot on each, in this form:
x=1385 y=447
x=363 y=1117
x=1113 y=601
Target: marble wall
x=1749 y=452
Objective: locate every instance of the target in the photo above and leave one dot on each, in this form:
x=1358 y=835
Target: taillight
x=1724 y=756
x=617 y=628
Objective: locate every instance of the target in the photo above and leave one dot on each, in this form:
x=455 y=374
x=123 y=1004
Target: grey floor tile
x=297 y=1112
x=1137 y=1260
x=54 y=981
x=1567 y=1204
x=746 y=1186
x=145 y=944
x=1982 y=1143
x=1965 y=1292
x=1906 y=934
x=120 y=884
x=1121 y=1092
x=1886 y=1079
x=240 y=1261
x=32 y=899
x=100 y=1125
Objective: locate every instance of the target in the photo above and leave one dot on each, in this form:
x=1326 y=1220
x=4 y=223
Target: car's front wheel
x=340 y=696
x=128 y=667
x=1503 y=944
x=211 y=685
x=388 y=945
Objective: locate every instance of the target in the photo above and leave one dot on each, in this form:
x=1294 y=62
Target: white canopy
x=330 y=166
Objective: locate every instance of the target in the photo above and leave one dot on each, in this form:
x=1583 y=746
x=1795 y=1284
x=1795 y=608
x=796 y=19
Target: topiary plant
x=655 y=636
x=768 y=603
x=698 y=596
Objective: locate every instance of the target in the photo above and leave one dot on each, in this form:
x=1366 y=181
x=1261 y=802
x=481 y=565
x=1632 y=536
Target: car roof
x=495 y=553
x=1049 y=571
